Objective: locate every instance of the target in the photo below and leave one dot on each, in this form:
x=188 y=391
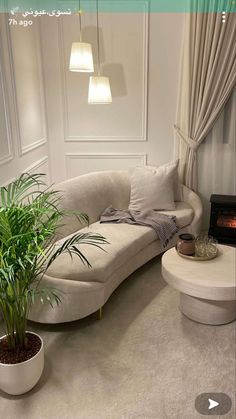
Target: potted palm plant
x=29 y=219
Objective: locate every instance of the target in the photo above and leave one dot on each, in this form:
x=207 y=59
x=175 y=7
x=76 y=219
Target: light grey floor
x=144 y=359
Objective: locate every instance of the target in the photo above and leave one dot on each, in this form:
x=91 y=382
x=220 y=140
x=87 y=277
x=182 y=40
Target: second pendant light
x=99 y=86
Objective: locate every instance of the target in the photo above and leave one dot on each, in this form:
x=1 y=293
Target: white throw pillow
x=152 y=187
x=178 y=193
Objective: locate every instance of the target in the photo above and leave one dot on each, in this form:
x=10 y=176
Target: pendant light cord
x=98 y=43
x=80 y=23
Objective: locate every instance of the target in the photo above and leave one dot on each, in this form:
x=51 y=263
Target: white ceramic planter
x=19 y=378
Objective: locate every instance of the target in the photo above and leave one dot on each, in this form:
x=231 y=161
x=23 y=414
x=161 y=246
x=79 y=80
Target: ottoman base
x=207 y=311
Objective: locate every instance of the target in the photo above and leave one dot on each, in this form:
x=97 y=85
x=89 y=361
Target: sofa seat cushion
x=184 y=214
x=125 y=241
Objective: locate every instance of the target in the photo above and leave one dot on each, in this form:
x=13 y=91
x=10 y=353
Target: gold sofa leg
x=99 y=314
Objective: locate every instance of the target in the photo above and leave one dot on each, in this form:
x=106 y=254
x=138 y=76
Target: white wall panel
x=5 y=132
x=78 y=164
x=142 y=63
x=124 y=58
x=22 y=108
x=28 y=83
x=7 y=181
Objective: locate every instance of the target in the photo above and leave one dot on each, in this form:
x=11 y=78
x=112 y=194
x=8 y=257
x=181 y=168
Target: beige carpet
x=142 y=360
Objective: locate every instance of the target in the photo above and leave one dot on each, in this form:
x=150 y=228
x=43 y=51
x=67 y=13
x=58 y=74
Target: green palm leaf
x=30 y=215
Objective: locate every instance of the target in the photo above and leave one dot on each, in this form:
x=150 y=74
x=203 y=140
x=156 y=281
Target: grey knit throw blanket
x=164 y=225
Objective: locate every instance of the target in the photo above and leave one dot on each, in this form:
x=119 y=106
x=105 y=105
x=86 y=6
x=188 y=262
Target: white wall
x=140 y=53
x=164 y=59
x=23 y=134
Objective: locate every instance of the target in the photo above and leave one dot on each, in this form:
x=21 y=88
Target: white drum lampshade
x=99 y=90
x=81 y=57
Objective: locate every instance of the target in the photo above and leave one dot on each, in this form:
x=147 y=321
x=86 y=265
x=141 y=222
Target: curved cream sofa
x=85 y=290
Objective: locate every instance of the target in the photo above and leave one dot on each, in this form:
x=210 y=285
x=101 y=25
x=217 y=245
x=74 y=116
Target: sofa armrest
x=191 y=198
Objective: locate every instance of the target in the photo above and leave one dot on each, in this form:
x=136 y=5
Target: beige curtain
x=207 y=77
x=216 y=159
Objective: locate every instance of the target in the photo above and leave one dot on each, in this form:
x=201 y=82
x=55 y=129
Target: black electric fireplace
x=223 y=218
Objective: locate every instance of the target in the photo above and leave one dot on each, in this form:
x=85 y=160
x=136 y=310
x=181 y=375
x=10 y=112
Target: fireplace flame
x=226 y=221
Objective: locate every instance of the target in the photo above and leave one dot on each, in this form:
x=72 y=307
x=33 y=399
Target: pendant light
x=81 y=57
x=99 y=86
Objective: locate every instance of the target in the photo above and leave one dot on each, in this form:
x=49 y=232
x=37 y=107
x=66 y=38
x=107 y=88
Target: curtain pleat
x=207 y=78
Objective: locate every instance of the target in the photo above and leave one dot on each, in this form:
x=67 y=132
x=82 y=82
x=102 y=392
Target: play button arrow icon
x=212 y=403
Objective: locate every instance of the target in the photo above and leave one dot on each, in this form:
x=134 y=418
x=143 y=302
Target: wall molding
x=33 y=146
x=9 y=156
x=63 y=66
x=108 y=156
x=37 y=164
x=22 y=150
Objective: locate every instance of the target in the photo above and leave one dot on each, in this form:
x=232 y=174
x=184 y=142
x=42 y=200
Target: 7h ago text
x=24 y=23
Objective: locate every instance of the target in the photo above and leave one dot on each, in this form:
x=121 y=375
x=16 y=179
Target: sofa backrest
x=92 y=193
